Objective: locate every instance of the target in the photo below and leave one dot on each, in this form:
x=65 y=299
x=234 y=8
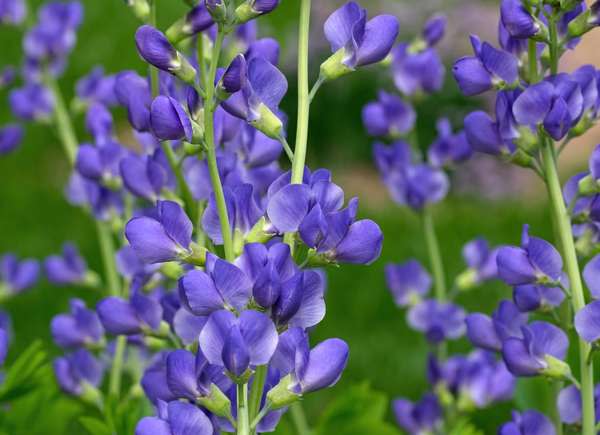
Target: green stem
x=114 y=387
x=188 y=199
x=435 y=257
x=299 y=419
x=258 y=385
x=532 y=55
x=563 y=226
x=66 y=132
x=303 y=102
x=107 y=251
x=553 y=45
x=211 y=156
x=243 y=422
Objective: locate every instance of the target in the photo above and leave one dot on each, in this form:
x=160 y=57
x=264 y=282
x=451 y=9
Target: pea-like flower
x=80 y=328
x=541 y=350
x=408 y=282
x=164 y=237
x=175 y=418
x=141 y=314
x=168 y=119
x=146 y=176
x=530 y=297
x=237 y=343
x=156 y=49
x=257 y=100
x=423 y=416
x=490 y=332
x=448 y=148
x=17 y=275
x=535 y=262
x=569 y=406
x=68 y=268
x=488 y=68
x=133 y=93
x=11 y=136
x=356 y=42
x=517 y=20
x=439 y=321
x=195 y=21
x=529 y=422
x=32 y=102
x=78 y=373
x=555 y=103
x=481 y=264
x=388 y=116
x=250 y=9
x=12 y=12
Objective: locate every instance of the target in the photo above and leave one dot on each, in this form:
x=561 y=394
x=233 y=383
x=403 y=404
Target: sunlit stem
x=62 y=120
x=299 y=419
x=190 y=204
x=563 y=227
x=243 y=422
x=299 y=159
x=256 y=393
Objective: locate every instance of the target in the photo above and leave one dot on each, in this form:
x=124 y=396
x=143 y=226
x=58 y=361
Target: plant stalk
x=243 y=422
x=256 y=392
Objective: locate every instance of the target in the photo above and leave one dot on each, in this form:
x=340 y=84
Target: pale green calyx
x=556 y=368
x=280 y=395
x=216 y=402
x=245 y=12
x=588 y=185
x=334 y=66
x=267 y=122
x=141 y=9
x=183 y=70
x=467 y=279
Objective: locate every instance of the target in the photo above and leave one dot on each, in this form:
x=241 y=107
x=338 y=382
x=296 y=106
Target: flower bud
x=254 y=8
x=217 y=9
x=140 y=8
x=195 y=21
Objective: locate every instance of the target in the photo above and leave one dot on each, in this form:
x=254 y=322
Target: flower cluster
x=212 y=294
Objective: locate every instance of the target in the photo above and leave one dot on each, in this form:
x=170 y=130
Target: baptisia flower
x=80 y=328
x=535 y=262
x=169 y=121
x=409 y=183
x=163 y=236
x=237 y=343
x=156 y=49
x=17 y=275
x=133 y=93
x=356 y=42
x=100 y=163
x=12 y=12
x=251 y=9
x=195 y=21
x=421 y=417
x=555 y=103
x=529 y=422
x=517 y=20
x=11 y=136
x=530 y=297
x=256 y=88
x=481 y=264
x=146 y=176
x=314 y=210
x=4 y=342
x=569 y=406
x=541 y=350
x=439 y=321
x=448 y=148
x=97 y=87
x=488 y=68
x=408 y=282
x=175 y=418
x=68 y=268
x=305 y=370
x=417 y=66
x=32 y=102
x=140 y=314
x=490 y=332
x=79 y=374
x=388 y=116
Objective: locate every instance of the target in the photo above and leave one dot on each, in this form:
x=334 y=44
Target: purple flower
x=12 y=11
x=569 y=406
x=422 y=71
x=11 y=136
x=79 y=328
x=448 y=148
x=154 y=380
x=250 y=9
x=257 y=101
x=68 y=268
x=489 y=68
x=556 y=103
x=17 y=276
x=195 y=21
x=517 y=20
x=238 y=342
x=156 y=49
x=439 y=321
x=530 y=422
x=104 y=203
x=591 y=276
x=120 y=317
x=481 y=263
x=77 y=372
x=242 y=210
x=175 y=418
x=408 y=282
x=32 y=102
x=355 y=41
x=490 y=332
x=530 y=297
x=164 y=237
x=96 y=86
x=4 y=341
x=189 y=376
x=256 y=149
x=587 y=322
x=221 y=285
x=389 y=116
x=168 y=120
x=484 y=135
x=145 y=176
x=412 y=184
x=100 y=163
x=267 y=48
x=541 y=350
x=423 y=416
x=535 y=262
x=133 y=93
x=434 y=29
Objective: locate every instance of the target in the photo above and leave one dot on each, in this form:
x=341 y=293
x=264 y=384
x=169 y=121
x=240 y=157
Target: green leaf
x=95 y=426
x=356 y=411
x=464 y=427
x=25 y=373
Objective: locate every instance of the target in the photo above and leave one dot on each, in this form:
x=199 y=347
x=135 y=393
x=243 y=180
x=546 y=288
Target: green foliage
x=25 y=373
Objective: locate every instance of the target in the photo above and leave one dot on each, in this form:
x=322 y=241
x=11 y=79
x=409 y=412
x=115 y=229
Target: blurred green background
x=35 y=219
